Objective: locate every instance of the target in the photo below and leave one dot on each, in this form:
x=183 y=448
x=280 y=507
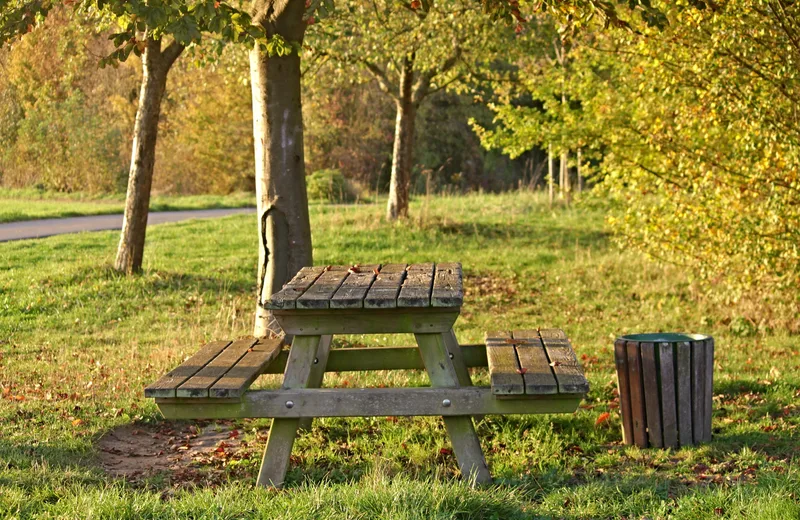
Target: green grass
x=79 y=342
x=31 y=204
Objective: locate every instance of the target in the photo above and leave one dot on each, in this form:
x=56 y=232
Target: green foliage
x=330 y=186
x=694 y=134
x=54 y=134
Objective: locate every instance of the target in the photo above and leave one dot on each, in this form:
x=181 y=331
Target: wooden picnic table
x=424 y=299
x=532 y=371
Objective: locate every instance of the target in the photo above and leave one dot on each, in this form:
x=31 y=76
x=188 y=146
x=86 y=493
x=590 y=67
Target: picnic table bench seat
x=536 y=362
x=219 y=370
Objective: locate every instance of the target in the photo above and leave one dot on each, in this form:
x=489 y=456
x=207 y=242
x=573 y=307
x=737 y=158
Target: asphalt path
x=60 y=226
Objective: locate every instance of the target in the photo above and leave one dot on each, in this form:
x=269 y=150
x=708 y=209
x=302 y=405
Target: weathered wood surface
x=199 y=384
x=651 y=398
x=354 y=289
x=504 y=370
x=684 y=391
x=386 y=287
x=534 y=364
x=447 y=286
x=367 y=321
x=240 y=376
x=623 y=385
x=167 y=384
x=366 y=402
x=319 y=295
x=698 y=390
x=466 y=445
x=287 y=296
x=371 y=287
x=387 y=358
x=669 y=416
x=708 y=399
x=638 y=424
x=566 y=368
x=416 y=288
x=282 y=432
x=317 y=374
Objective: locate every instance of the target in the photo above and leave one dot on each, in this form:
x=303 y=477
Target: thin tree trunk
x=551 y=174
x=403 y=155
x=565 y=184
x=284 y=230
x=580 y=177
x=155 y=67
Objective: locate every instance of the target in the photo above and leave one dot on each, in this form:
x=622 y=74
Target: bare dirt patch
x=181 y=452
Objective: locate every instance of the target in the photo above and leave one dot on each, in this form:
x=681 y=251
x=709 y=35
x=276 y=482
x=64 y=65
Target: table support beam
x=367 y=402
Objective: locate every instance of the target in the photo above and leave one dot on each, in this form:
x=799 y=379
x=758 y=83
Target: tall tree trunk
x=284 y=229
x=551 y=181
x=580 y=177
x=155 y=67
x=403 y=156
x=565 y=184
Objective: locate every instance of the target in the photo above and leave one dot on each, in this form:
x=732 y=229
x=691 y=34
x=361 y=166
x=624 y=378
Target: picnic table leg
x=460 y=429
x=283 y=431
x=454 y=352
x=317 y=374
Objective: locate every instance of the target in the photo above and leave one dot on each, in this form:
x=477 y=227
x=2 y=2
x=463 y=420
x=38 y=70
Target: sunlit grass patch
x=79 y=342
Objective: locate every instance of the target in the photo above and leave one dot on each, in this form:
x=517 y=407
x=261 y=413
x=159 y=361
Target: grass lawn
x=78 y=343
x=30 y=204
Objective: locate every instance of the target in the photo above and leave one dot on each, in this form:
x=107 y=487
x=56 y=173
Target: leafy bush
x=331 y=186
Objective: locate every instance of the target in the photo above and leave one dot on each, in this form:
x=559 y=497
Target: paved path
x=60 y=226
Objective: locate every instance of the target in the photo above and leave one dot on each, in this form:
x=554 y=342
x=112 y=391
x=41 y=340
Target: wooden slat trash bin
x=665 y=386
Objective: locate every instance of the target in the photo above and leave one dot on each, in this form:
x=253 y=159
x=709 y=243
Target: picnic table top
x=373 y=286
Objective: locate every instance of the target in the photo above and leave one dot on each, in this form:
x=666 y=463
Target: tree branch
x=422 y=85
x=383 y=80
x=171 y=53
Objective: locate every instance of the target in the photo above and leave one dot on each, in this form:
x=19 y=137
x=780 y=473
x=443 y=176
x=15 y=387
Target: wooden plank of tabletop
x=504 y=369
x=166 y=386
x=354 y=288
x=386 y=287
x=536 y=370
x=199 y=384
x=416 y=288
x=566 y=368
x=287 y=296
x=318 y=296
x=447 y=286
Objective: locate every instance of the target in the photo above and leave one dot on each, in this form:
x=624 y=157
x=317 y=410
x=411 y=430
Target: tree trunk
x=580 y=177
x=403 y=155
x=155 y=67
x=566 y=189
x=551 y=181
x=284 y=229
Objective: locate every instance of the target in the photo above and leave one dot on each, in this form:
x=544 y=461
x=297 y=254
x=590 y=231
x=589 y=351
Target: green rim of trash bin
x=664 y=337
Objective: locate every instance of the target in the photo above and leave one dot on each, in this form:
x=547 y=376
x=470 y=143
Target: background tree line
x=65 y=123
